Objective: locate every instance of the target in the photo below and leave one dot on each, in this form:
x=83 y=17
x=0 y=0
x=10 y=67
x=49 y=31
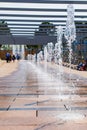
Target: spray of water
x=58 y=57
x=50 y=51
x=45 y=57
x=70 y=32
x=70 y=35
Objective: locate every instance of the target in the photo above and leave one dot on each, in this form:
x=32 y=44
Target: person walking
x=13 y=58
x=7 y=57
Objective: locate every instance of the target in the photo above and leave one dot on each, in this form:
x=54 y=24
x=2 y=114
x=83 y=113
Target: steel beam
x=49 y=1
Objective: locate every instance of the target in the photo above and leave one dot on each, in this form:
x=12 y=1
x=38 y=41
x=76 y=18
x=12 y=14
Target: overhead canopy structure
x=48 y=1
x=24 y=17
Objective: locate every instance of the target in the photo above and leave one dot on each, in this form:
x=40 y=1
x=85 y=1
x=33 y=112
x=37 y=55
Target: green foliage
x=4 y=29
x=46 y=28
x=47 y=25
x=6 y=47
x=32 y=47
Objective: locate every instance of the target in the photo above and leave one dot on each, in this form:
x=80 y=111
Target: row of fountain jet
x=55 y=52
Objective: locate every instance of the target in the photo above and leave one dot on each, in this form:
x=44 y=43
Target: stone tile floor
x=30 y=99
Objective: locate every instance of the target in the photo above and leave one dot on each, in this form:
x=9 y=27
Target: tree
x=4 y=29
x=46 y=28
x=32 y=48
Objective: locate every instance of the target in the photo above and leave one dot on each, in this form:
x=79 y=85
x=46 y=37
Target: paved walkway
x=7 y=68
x=30 y=99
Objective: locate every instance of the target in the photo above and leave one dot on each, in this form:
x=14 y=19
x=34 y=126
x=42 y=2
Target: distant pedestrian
x=13 y=58
x=8 y=57
x=18 y=57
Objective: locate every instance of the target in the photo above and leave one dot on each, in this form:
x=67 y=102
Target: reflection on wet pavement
x=30 y=99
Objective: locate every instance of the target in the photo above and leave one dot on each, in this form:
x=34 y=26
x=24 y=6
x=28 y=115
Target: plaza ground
x=29 y=97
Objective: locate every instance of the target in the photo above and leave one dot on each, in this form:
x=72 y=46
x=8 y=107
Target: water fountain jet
x=70 y=34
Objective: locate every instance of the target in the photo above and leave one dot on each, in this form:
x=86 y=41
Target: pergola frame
x=28 y=37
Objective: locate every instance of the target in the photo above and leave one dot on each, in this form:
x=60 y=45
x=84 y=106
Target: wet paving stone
x=31 y=100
